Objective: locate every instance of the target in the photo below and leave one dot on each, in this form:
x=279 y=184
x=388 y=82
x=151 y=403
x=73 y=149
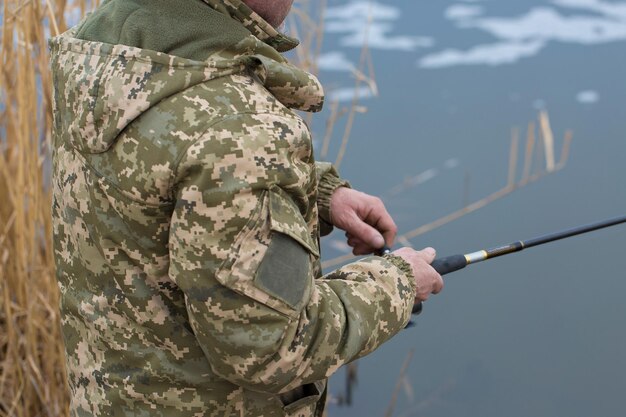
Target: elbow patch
x=283 y=268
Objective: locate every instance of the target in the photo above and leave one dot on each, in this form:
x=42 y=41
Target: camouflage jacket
x=187 y=209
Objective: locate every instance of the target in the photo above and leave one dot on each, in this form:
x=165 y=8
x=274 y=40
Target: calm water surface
x=540 y=333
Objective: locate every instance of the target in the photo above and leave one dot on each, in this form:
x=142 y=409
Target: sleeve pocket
x=271 y=260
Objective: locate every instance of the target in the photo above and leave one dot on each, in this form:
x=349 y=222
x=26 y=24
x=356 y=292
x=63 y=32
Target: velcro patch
x=285 y=270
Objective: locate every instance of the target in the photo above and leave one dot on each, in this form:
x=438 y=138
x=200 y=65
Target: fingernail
x=379 y=241
x=431 y=251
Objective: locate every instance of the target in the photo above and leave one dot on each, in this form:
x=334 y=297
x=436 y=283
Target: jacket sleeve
x=241 y=251
x=328 y=181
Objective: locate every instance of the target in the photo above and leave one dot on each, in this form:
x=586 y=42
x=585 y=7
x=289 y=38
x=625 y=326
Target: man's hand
x=367 y=223
x=369 y=227
x=427 y=279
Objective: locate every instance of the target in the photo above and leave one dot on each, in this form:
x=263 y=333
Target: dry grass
x=32 y=377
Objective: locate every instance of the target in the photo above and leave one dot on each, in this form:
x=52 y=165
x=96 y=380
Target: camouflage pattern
x=186 y=210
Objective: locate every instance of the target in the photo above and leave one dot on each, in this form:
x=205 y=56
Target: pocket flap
x=285 y=217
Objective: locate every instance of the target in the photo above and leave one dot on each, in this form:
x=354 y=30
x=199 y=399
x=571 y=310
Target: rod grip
x=449 y=264
x=443 y=266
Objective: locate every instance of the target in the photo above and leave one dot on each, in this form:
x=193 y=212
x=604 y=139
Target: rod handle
x=449 y=264
x=443 y=266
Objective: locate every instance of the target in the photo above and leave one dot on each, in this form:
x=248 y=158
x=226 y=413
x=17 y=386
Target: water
x=539 y=333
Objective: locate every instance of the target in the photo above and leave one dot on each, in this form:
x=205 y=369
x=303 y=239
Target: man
x=187 y=212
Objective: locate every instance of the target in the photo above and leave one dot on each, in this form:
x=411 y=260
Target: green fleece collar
x=239 y=11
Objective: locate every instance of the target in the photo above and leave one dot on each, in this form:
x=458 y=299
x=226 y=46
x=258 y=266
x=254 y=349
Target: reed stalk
x=32 y=373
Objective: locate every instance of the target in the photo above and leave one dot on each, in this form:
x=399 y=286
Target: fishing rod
x=455 y=262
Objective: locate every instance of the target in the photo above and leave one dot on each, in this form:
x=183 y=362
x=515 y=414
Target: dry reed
x=32 y=376
x=402 y=381
x=308 y=19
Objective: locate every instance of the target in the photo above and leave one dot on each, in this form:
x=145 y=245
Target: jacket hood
x=100 y=88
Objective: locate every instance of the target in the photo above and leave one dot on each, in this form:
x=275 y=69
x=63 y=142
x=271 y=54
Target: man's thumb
x=429 y=254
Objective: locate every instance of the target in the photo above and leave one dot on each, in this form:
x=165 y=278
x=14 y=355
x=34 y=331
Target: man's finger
x=353 y=241
x=428 y=254
x=365 y=233
x=362 y=249
x=382 y=221
x=438 y=286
